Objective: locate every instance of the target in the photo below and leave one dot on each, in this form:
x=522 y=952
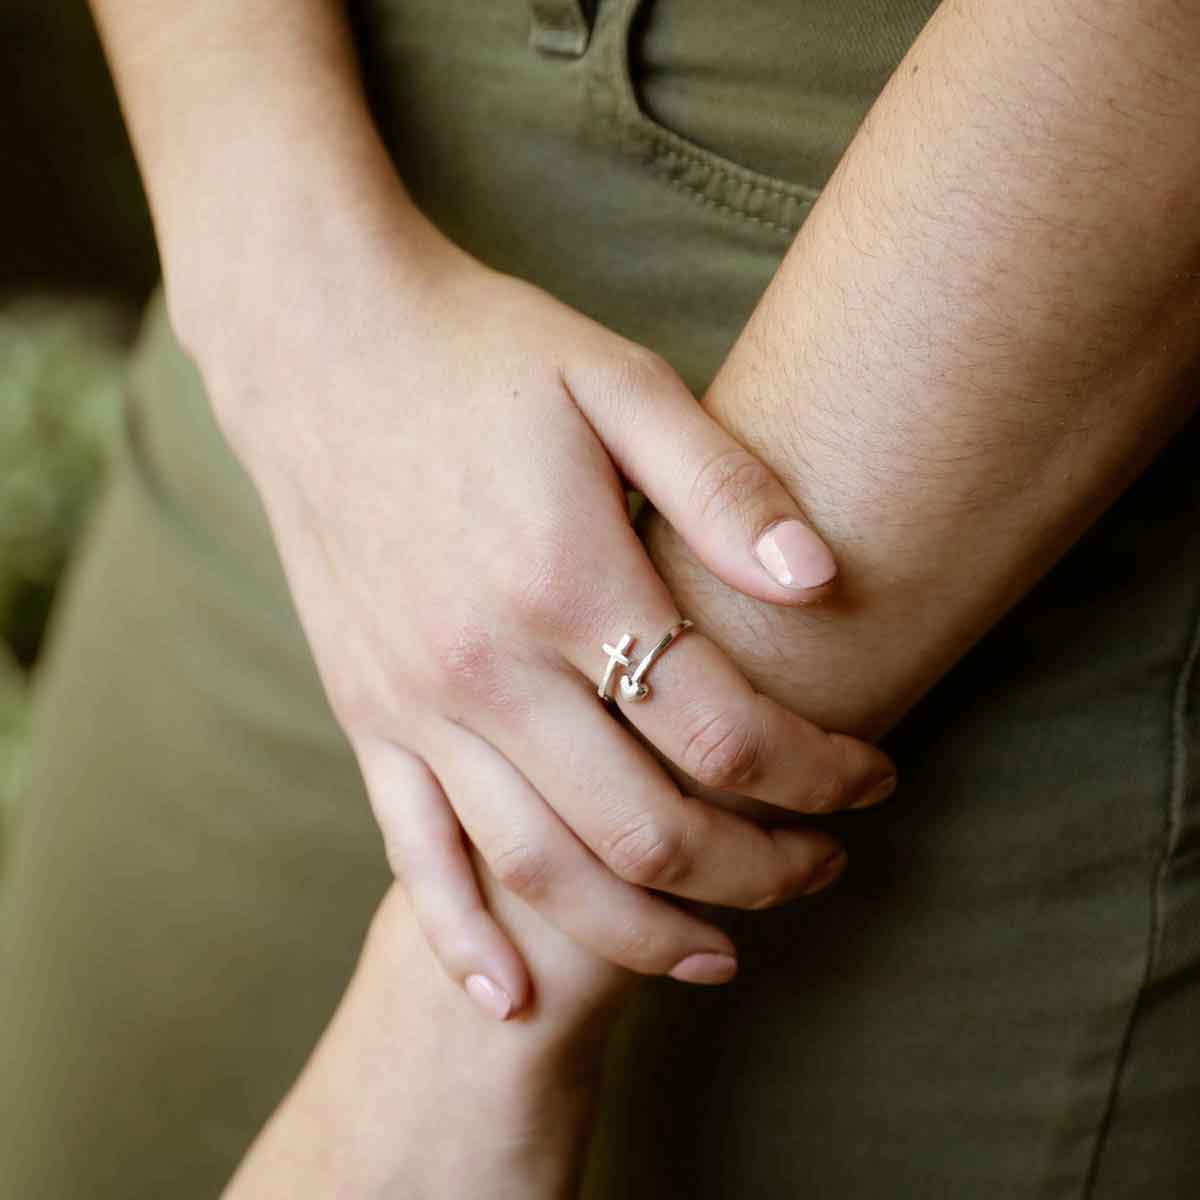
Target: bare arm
x=255 y=145
x=978 y=339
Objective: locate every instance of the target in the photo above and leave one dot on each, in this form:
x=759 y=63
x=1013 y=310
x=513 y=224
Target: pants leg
x=189 y=888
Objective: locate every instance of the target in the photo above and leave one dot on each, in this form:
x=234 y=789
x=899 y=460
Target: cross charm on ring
x=618 y=656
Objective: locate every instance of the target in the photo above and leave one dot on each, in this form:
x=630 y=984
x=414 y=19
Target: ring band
x=634 y=686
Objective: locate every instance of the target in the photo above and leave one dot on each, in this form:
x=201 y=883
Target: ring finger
x=702 y=713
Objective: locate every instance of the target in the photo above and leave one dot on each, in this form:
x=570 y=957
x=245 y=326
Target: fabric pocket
x=739 y=190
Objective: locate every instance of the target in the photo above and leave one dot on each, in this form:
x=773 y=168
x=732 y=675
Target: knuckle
x=731 y=481
x=468 y=660
x=721 y=751
x=354 y=706
x=643 y=369
x=473 y=670
x=359 y=692
x=648 y=854
x=638 y=948
x=523 y=869
x=544 y=591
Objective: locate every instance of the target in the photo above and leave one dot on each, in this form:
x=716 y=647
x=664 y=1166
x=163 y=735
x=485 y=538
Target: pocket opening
x=742 y=191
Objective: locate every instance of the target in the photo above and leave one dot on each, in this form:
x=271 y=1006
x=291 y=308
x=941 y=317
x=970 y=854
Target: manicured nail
x=826 y=873
x=491 y=998
x=705 y=968
x=794 y=556
x=878 y=794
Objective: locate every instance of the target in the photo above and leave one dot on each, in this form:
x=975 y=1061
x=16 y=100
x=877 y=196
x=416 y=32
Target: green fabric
x=1000 y=999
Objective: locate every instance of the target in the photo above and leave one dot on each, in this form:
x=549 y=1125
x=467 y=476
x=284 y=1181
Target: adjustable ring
x=633 y=686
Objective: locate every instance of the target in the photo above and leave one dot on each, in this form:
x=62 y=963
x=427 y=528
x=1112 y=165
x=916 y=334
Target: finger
x=726 y=504
x=425 y=850
x=532 y=854
x=701 y=713
x=610 y=791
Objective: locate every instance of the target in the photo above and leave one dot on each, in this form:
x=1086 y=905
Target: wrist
x=256 y=146
x=297 y=249
x=556 y=1043
x=408 y=1072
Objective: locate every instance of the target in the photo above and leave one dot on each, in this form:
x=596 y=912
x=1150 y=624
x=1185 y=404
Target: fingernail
x=489 y=996
x=879 y=793
x=705 y=968
x=794 y=556
x=826 y=873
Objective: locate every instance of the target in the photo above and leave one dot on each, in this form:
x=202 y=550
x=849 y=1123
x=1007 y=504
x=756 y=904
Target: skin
x=409 y=1072
x=305 y=284
x=1003 y=338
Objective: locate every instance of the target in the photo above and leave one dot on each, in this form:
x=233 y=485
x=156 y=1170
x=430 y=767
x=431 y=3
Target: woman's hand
x=440 y=449
x=437 y=447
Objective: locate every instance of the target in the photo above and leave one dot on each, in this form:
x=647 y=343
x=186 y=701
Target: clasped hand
x=443 y=455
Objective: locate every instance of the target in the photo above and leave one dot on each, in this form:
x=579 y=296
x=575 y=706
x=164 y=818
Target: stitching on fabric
x=668 y=141
x=659 y=143
x=610 y=92
x=729 y=208
x=1172 y=829
x=652 y=141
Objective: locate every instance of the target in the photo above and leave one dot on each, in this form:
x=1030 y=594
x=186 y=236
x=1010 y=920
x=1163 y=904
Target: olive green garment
x=1001 y=998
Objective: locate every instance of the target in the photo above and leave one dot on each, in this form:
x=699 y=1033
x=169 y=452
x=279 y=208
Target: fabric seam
x=1172 y=829
x=697 y=194
x=667 y=141
x=660 y=148
x=614 y=100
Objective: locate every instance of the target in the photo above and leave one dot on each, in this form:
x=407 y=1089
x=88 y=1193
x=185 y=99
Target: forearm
x=978 y=339
x=411 y=1092
x=257 y=150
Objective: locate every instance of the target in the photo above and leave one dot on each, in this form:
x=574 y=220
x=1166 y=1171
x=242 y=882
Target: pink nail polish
x=494 y=1000
x=705 y=968
x=794 y=556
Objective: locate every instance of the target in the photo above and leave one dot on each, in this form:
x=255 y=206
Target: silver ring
x=634 y=686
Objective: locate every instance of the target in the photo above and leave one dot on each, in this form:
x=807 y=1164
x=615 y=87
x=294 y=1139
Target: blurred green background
x=76 y=264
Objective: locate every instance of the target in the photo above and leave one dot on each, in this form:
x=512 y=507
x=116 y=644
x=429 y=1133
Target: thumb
x=726 y=504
